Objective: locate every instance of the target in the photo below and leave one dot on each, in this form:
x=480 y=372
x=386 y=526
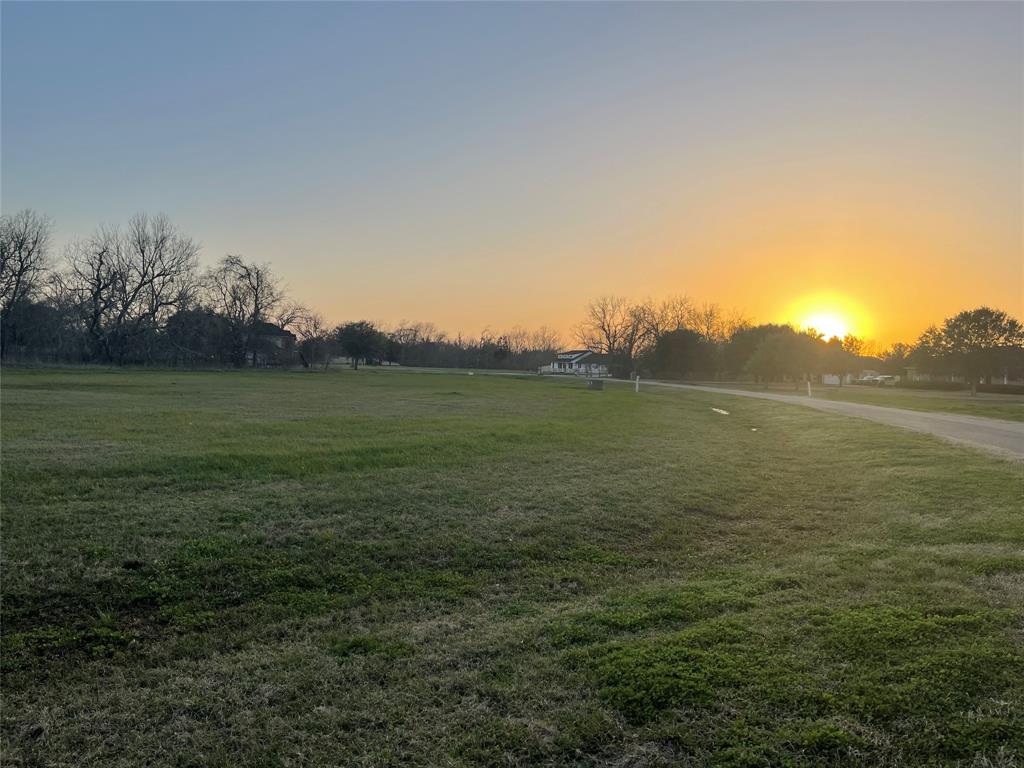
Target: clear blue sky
x=489 y=164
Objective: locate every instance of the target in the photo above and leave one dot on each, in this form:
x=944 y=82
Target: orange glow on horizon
x=827 y=324
x=830 y=314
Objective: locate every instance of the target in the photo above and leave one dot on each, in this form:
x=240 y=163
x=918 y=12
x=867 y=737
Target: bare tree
x=24 y=245
x=290 y=315
x=545 y=339
x=128 y=283
x=430 y=333
x=707 y=320
x=89 y=283
x=315 y=339
x=246 y=295
x=735 y=321
x=638 y=332
x=605 y=326
x=619 y=329
x=626 y=331
x=517 y=339
x=649 y=321
x=24 y=248
x=671 y=315
x=406 y=334
x=715 y=324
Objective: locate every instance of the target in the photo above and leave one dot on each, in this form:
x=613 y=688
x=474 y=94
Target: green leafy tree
x=360 y=341
x=897 y=358
x=680 y=352
x=975 y=344
x=854 y=345
x=840 y=356
x=744 y=343
x=785 y=353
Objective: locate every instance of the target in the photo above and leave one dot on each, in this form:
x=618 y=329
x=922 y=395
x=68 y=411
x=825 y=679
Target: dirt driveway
x=996 y=435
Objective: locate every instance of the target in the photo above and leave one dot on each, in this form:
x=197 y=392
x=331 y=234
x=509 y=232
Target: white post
x=636 y=386
x=809 y=388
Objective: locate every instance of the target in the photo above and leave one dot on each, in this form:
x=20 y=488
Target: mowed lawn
x=393 y=568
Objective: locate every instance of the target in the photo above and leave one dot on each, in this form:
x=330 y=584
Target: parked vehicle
x=880 y=380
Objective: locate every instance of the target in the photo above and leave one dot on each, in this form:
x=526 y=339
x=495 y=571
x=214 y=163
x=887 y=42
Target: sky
x=487 y=165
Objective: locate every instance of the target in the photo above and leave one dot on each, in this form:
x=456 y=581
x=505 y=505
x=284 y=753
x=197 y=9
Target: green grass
x=987 y=405
x=375 y=568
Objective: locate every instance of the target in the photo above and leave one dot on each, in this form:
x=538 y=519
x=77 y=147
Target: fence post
x=636 y=386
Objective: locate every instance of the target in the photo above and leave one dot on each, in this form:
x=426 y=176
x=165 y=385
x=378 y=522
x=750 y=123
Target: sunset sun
x=828 y=324
x=830 y=314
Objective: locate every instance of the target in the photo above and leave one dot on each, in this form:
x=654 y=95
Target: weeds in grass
x=375 y=569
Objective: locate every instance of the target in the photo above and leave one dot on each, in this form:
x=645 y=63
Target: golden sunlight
x=827 y=324
x=830 y=315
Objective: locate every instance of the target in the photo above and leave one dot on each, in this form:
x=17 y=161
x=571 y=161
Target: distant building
x=578 y=362
x=272 y=345
x=921 y=377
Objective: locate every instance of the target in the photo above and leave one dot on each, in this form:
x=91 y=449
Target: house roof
x=269 y=329
x=573 y=355
x=582 y=356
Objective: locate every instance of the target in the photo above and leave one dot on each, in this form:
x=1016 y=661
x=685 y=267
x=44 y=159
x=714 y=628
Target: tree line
x=136 y=295
x=679 y=339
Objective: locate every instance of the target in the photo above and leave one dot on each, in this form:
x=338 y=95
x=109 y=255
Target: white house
x=578 y=362
x=866 y=376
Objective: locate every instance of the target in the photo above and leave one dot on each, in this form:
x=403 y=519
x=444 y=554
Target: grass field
x=370 y=569
x=987 y=405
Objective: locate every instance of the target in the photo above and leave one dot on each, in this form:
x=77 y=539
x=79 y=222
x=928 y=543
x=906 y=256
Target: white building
x=578 y=362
